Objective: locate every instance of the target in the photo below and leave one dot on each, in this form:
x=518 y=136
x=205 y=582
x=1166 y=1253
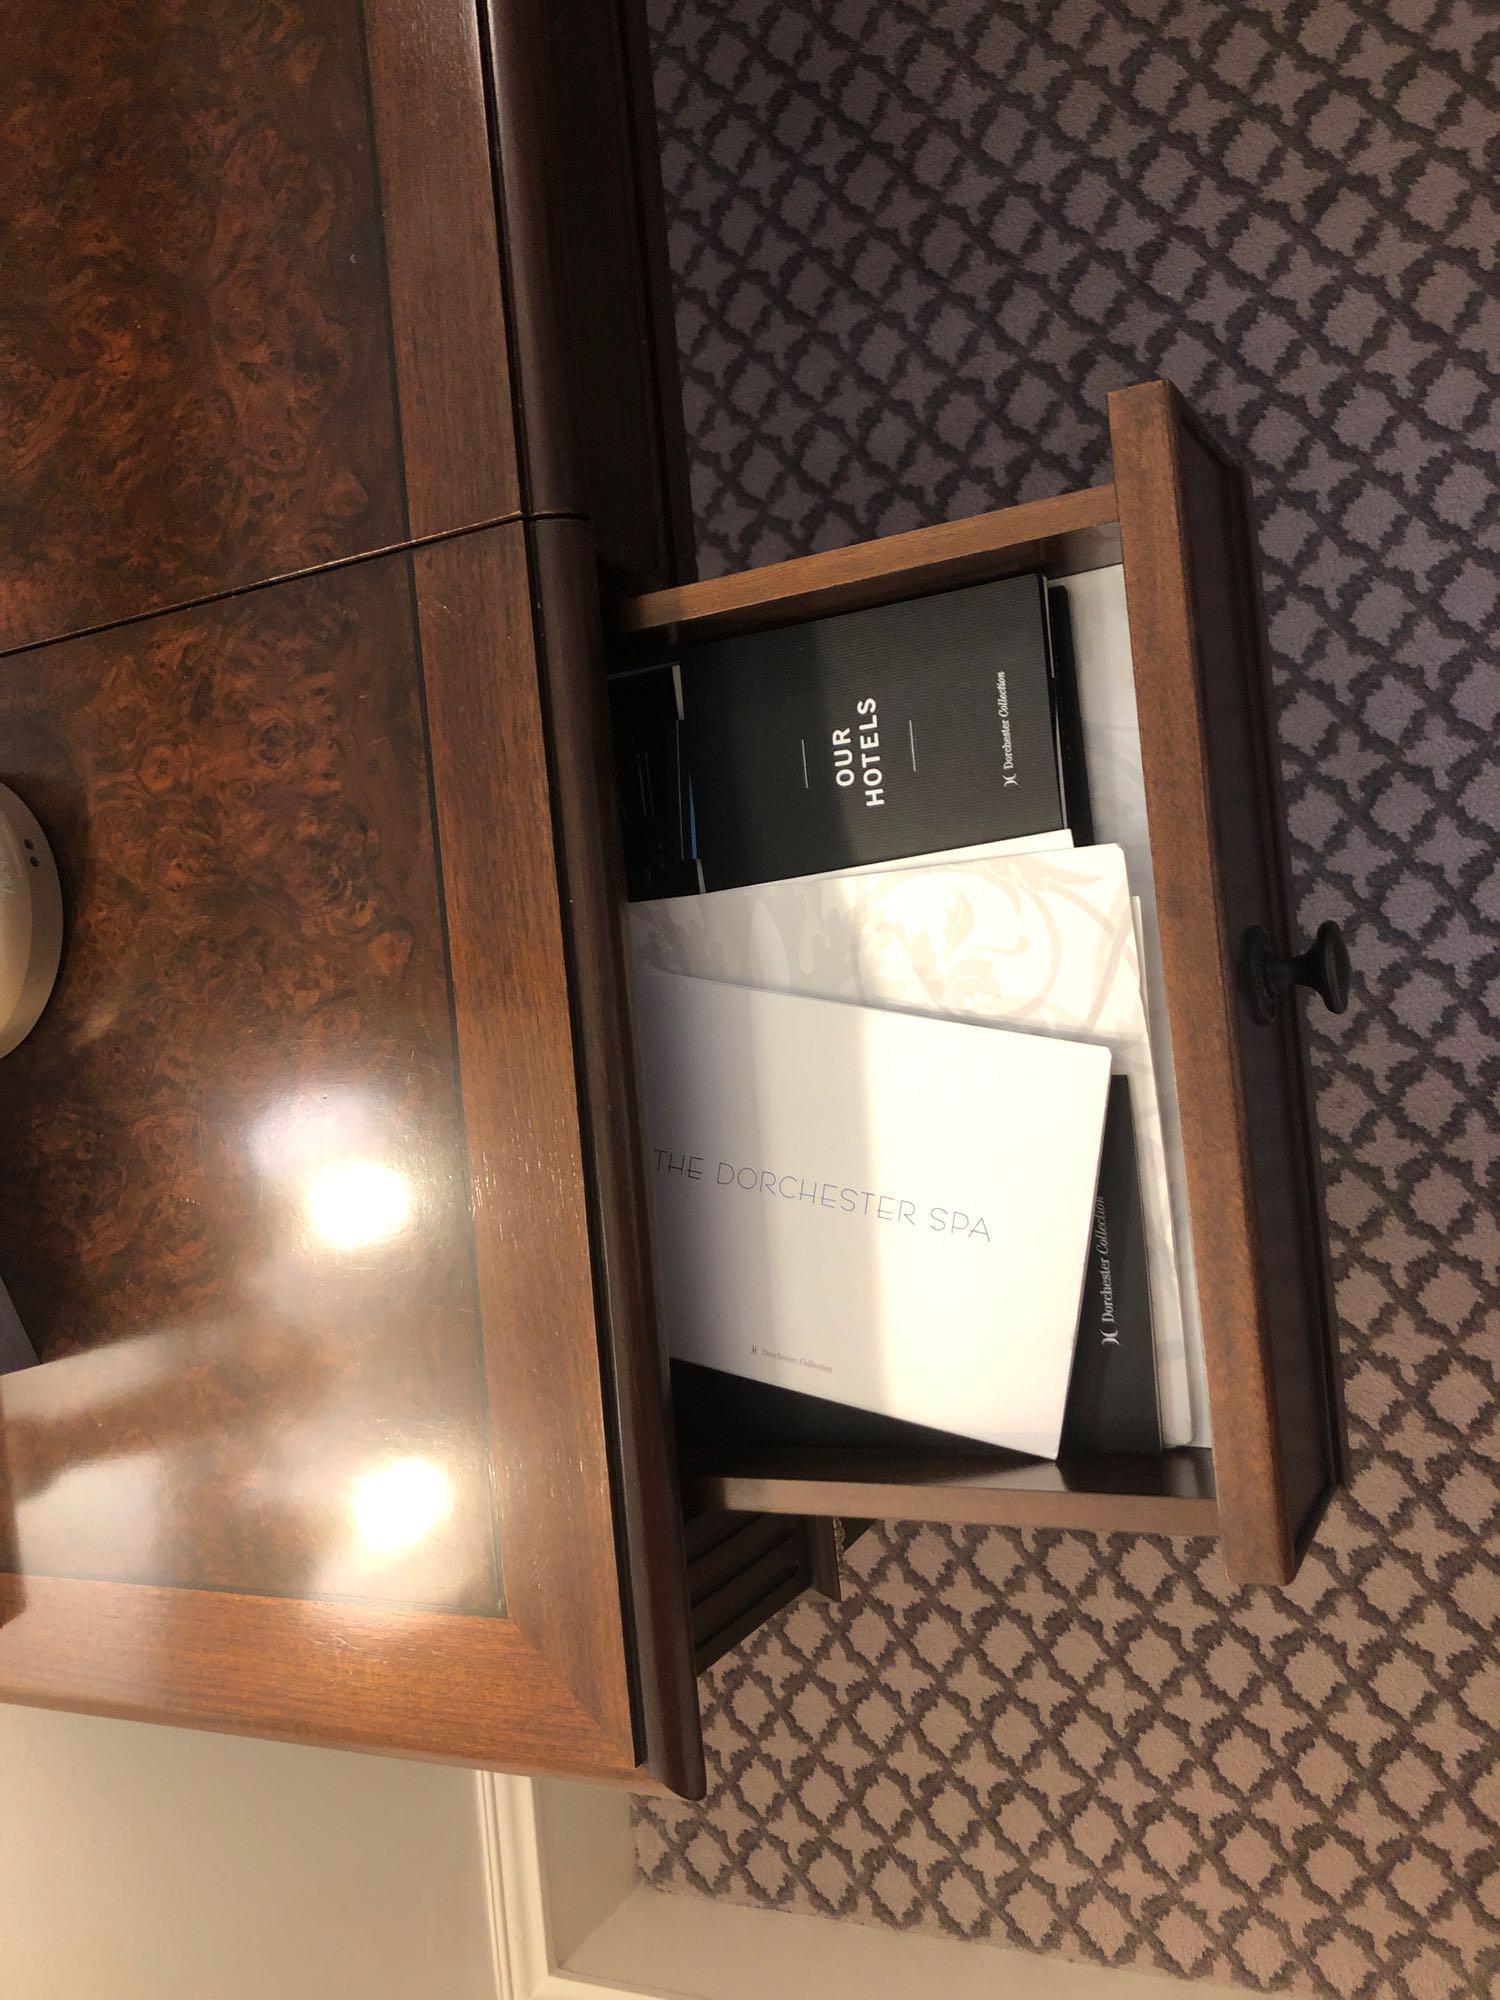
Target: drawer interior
x=748 y=1447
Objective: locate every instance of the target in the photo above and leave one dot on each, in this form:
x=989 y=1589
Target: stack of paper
x=860 y=1204
x=1042 y=943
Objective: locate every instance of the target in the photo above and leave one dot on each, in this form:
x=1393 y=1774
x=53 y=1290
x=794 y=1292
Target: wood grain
x=446 y=1688
x=1299 y=1319
x=1076 y=531
x=591 y=326
x=592 y=902
x=253 y=789
x=194 y=354
x=279 y=239
x=1256 y=1210
x=253 y=997
x=1195 y=955
x=526 y=1169
x=1169 y=1495
x=442 y=254
x=244 y=332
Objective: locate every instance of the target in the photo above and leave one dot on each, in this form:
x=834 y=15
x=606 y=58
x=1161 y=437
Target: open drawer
x=1177 y=522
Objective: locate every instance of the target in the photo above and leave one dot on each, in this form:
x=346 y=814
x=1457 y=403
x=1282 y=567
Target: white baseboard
x=571 y=1920
x=559 y=1863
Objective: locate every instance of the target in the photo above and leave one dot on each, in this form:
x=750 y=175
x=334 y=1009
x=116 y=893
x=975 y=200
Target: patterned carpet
x=914 y=245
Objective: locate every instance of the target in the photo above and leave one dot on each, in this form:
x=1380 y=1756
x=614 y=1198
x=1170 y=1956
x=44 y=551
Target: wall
x=139 y=1863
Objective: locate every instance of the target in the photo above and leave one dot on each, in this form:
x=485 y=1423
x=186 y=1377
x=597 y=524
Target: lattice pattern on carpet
x=914 y=245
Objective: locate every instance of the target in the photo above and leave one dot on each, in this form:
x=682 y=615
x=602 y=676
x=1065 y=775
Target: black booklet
x=940 y=722
x=1112 y=1391
x=873 y=735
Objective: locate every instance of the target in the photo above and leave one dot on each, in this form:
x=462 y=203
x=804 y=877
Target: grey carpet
x=914 y=245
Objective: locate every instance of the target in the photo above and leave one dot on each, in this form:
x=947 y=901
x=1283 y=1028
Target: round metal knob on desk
x=1323 y=968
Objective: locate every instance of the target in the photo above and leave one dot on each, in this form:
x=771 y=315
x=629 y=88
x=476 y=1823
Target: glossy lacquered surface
x=346 y=1427
x=234 y=1201
x=294 y=1204
x=226 y=228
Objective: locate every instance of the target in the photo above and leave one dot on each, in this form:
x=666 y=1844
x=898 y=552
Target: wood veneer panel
x=195 y=371
x=1077 y=531
x=377 y=1659
x=442 y=251
x=251 y=318
x=444 y=1688
x=526 y=1167
x=1214 y=807
x=253 y=1001
x=1250 y=850
x=1171 y=1495
x=592 y=892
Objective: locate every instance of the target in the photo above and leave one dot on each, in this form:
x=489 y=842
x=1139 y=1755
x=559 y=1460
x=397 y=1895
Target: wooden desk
x=337 y=361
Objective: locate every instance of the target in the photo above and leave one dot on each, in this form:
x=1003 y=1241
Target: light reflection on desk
x=234 y=1205
x=355 y=1204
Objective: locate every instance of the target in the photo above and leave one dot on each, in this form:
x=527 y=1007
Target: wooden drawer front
x=1212 y=767
x=1177 y=519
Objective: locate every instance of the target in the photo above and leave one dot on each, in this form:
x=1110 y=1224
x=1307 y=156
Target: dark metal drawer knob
x=1323 y=967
